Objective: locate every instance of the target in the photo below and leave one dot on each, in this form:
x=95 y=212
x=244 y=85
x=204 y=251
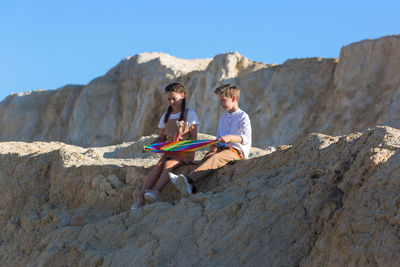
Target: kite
x=182 y=146
x=179 y=146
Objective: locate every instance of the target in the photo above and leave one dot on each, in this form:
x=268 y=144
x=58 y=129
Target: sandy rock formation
x=38 y=115
x=285 y=102
x=323 y=201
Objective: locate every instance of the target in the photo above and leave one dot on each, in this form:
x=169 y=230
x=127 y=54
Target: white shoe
x=173 y=177
x=152 y=196
x=181 y=183
x=137 y=204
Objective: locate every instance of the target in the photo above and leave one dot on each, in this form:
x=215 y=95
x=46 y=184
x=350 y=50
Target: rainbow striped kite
x=179 y=146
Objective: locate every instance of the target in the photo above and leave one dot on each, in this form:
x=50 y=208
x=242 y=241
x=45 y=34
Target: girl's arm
x=161 y=137
x=193 y=132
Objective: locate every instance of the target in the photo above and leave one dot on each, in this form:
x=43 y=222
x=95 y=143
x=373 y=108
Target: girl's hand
x=143 y=151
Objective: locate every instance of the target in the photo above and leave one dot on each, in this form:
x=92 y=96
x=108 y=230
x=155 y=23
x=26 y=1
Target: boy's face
x=227 y=103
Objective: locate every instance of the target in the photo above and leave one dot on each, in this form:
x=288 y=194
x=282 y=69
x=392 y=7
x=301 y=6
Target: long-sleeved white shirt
x=236 y=123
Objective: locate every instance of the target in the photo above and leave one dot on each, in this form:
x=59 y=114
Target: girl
x=178 y=123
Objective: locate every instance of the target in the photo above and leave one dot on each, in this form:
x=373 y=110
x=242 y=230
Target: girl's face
x=175 y=100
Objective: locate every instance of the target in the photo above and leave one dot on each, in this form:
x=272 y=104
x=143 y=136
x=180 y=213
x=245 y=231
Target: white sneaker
x=181 y=183
x=173 y=177
x=137 y=204
x=152 y=196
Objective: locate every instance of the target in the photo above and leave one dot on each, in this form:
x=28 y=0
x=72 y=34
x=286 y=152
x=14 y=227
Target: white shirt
x=236 y=123
x=192 y=118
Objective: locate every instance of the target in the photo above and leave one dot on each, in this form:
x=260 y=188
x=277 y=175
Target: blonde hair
x=228 y=90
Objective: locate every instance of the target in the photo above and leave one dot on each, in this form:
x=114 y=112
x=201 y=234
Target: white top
x=192 y=118
x=236 y=123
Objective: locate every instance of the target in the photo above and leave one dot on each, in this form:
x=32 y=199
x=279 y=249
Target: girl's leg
x=169 y=166
x=152 y=177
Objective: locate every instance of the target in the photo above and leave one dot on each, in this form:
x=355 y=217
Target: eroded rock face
x=285 y=102
x=322 y=201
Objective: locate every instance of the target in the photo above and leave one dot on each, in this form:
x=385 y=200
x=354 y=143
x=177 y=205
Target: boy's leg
x=212 y=162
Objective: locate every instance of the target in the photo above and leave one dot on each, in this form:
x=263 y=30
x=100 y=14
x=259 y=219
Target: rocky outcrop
x=285 y=102
x=323 y=201
x=38 y=115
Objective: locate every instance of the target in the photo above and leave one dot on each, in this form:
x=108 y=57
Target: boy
x=234 y=132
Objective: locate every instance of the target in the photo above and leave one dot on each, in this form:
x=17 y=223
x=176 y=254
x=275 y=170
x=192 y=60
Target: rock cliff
x=329 y=198
x=323 y=201
x=285 y=102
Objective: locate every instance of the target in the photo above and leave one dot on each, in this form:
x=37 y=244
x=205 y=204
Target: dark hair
x=177 y=88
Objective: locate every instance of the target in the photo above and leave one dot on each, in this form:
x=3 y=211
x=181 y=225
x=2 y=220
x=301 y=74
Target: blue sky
x=47 y=44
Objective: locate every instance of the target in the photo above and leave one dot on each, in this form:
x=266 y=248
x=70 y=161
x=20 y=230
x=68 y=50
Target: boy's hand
x=230 y=138
x=143 y=151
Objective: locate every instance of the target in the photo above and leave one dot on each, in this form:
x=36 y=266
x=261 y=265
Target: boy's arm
x=244 y=136
x=246 y=130
x=231 y=138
